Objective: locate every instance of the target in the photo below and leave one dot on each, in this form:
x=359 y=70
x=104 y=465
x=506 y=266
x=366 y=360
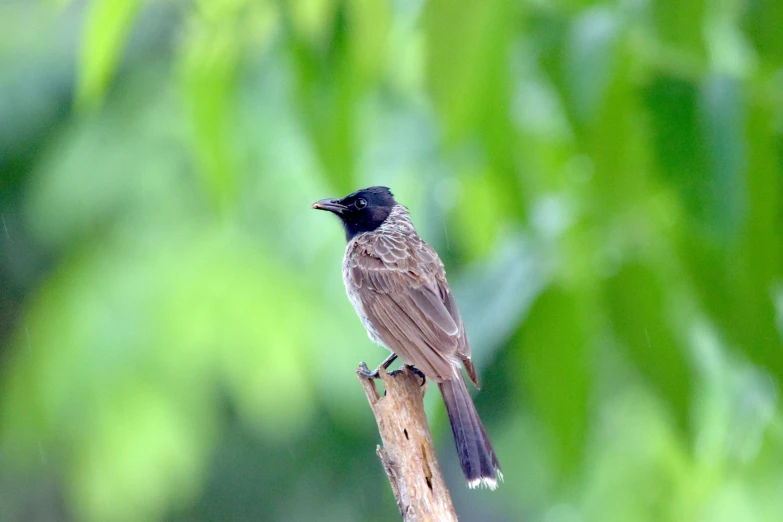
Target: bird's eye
x=361 y=203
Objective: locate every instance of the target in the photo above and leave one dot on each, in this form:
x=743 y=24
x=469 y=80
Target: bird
x=397 y=284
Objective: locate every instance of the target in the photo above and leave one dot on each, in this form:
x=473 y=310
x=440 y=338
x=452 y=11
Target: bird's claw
x=365 y=372
x=420 y=374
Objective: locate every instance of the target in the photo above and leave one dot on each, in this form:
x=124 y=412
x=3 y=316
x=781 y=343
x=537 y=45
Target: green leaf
x=640 y=310
x=722 y=110
x=735 y=258
x=698 y=136
x=762 y=21
x=590 y=61
x=334 y=69
x=209 y=72
x=106 y=29
x=753 y=269
x=554 y=362
x=209 y=68
x=468 y=54
x=679 y=24
x=615 y=139
x=680 y=152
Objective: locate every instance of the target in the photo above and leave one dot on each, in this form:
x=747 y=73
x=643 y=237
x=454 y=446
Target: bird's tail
x=478 y=459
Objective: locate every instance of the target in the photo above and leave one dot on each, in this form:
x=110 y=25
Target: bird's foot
x=365 y=372
x=420 y=374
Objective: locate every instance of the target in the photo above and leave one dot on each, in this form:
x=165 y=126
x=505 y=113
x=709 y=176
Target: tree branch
x=407 y=454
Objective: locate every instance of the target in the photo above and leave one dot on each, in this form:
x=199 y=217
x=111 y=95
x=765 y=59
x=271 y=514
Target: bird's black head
x=363 y=211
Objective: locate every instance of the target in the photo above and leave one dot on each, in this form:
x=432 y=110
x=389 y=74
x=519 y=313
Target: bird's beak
x=332 y=205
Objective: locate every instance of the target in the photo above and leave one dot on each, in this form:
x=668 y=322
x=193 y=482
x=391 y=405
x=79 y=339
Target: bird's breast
x=356 y=301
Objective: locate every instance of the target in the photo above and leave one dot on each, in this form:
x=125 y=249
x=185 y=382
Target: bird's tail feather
x=479 y=462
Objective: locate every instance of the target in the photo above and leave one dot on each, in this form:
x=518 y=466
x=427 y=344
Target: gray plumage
x=397 y=284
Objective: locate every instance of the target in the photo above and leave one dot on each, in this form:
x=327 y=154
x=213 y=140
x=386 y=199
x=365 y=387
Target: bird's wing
x=403 y=290
x=463 y=350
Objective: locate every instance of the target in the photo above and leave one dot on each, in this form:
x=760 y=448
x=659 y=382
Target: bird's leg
x=364 y=371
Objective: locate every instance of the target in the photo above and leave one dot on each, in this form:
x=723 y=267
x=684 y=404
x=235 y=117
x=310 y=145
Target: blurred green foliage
x=604 y=182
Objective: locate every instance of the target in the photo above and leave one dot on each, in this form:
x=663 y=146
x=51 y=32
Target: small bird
x=397 y=284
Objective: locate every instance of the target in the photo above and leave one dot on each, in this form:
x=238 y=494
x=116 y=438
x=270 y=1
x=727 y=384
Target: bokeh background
x=603 y=181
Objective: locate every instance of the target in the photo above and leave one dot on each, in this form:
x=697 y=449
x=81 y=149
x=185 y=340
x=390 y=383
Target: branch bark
x=407 y=455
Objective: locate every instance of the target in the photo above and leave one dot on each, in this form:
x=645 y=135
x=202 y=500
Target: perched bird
x=397 y=284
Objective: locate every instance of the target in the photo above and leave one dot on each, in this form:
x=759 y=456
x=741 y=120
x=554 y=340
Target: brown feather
x=400 y=280
x=397 y=283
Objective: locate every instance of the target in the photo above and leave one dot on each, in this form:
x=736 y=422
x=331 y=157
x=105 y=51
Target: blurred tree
x=603 y=180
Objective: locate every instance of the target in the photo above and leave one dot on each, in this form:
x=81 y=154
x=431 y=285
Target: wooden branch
x=407 y=455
